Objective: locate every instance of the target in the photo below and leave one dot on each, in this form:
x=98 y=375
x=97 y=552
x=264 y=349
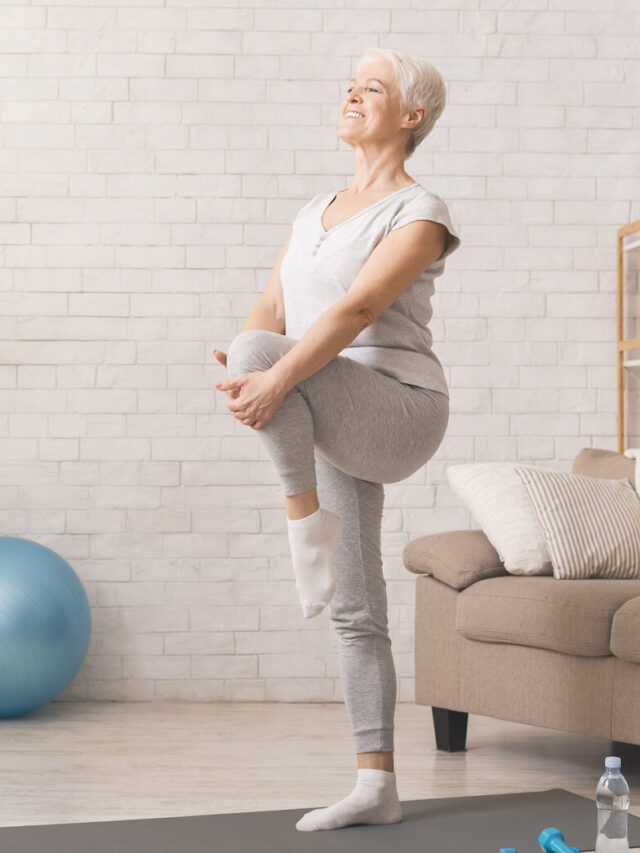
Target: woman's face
x=374 y=95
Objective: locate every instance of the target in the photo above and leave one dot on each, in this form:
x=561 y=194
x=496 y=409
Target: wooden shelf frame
x=629 y=343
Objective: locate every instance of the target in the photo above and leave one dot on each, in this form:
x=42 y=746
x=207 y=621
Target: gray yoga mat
x=481 y=824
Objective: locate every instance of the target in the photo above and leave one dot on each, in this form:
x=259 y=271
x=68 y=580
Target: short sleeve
x=433 y=208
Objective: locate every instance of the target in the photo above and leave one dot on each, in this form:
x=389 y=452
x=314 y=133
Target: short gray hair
x=420 y=85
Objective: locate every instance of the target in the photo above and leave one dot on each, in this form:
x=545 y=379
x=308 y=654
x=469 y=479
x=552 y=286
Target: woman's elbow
x=367 y=316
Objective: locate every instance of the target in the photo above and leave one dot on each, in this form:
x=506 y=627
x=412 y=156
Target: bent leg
x=367 y=424
x=288 y=436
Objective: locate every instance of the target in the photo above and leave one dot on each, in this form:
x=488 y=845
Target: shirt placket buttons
x=318 y=244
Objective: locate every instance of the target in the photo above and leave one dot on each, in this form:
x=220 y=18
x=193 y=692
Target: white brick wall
x=152 y=159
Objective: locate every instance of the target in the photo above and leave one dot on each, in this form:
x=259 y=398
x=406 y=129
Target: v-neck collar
x=364 y=209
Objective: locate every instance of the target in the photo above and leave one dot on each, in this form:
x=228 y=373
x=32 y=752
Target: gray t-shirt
x=320 y=266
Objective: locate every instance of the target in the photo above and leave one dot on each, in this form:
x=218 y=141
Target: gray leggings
x=346 y=430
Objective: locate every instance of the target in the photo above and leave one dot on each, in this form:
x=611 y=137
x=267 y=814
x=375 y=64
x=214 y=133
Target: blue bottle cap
x=612 y=761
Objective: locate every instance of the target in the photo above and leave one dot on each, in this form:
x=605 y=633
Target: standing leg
x=358 y=608
x=359 y=613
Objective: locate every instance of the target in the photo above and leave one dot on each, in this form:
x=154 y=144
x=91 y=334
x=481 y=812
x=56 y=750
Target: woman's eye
x=366 y=87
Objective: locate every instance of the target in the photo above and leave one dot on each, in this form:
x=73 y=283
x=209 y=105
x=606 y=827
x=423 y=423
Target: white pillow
x=498 y=500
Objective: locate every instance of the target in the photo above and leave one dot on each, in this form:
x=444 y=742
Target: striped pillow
x=591 y=524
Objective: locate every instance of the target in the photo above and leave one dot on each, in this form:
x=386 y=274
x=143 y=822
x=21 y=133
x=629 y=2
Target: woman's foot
x=313 y=540
x=373 y=800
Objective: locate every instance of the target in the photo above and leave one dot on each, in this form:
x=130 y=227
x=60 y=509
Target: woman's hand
x=254 y=397
x=222 y=358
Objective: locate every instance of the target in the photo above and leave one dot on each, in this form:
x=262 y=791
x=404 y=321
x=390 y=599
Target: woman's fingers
x=232 y=393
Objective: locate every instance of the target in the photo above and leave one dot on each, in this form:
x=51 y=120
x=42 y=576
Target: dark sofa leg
x=450 y=728
x=629 y=754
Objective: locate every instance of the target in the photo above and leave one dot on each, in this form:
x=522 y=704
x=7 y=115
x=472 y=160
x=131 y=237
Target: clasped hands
x=254 y=397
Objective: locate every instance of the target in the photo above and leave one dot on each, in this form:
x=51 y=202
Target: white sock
x=313 y=540
x=373 y=800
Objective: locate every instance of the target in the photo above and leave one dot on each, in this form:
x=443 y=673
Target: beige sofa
x=529 y=649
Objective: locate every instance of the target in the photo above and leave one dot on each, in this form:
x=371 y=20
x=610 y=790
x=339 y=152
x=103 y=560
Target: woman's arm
x=323 y=340
x=389 y=270
x=263 y=316
x=268 y=312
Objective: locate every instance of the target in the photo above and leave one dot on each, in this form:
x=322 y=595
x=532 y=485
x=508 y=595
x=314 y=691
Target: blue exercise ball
x=45 y=625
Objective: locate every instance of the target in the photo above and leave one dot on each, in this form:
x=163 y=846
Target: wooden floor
x=94 y=761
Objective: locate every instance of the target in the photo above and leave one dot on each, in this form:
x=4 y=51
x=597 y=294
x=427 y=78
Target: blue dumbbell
x=552 y=841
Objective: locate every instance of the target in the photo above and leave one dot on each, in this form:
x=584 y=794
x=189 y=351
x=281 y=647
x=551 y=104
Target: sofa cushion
x=625 y=631
x=591 y=524
x=456 y=557
x=604 y=463
x=572 y=616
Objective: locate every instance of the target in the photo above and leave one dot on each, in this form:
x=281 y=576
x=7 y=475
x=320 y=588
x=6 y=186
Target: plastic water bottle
x=612 y=799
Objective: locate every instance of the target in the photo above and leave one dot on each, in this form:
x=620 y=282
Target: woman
x=355 y=277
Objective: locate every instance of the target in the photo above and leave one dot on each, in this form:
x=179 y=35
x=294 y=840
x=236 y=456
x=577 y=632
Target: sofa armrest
x=458 y=558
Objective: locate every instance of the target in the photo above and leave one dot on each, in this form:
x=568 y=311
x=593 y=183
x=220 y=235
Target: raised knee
x=246 y=352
